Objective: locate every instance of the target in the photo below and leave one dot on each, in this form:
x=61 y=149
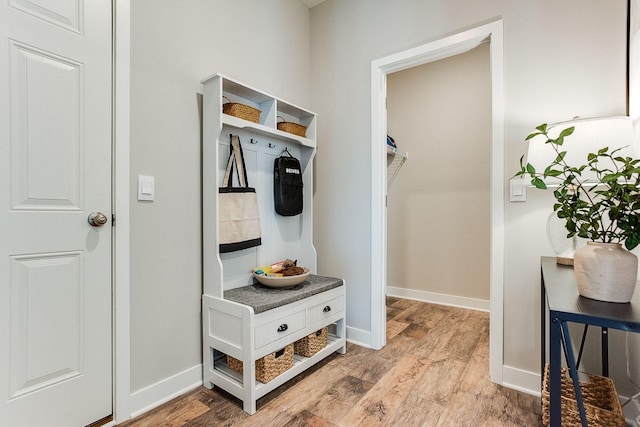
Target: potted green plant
x=604 y=210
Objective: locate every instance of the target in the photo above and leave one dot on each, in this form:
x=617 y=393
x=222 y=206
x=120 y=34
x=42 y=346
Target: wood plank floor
x=434 y=371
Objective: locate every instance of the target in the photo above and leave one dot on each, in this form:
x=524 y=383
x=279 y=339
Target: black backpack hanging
x=287 y=185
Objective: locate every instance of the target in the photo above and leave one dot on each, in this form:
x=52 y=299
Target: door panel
x=65 y=13
x=45 y=141
x=51 y=283
x=55 y=169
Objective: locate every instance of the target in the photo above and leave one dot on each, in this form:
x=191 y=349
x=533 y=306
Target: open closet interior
x=438 y=215
x=395 y=160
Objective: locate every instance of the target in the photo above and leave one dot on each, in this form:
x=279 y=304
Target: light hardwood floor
x=434 y=371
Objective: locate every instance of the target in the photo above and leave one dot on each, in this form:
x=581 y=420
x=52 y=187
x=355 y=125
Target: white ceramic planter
x=606 y=272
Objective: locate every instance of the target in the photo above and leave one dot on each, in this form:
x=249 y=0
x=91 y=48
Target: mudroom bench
x=253 y=321
x=243 y=323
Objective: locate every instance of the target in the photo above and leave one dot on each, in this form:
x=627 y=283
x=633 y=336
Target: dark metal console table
x=560 y=294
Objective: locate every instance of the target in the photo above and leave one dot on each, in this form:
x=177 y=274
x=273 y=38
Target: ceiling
x=311 y=3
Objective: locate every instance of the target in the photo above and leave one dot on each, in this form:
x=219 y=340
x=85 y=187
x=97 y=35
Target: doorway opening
x=439 y=114
x=491 y=33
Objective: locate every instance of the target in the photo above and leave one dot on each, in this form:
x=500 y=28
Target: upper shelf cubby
x=272 y=110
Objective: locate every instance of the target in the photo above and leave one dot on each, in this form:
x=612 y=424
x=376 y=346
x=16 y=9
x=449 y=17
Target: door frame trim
x=121 y=13
x=491 y=32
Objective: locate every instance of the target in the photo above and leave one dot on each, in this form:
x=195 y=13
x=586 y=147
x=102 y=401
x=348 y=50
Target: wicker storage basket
x=242 y=111
x=268 y=367
x=311 y=344
x=292 y=127
x=601 y=402
x=234 y=363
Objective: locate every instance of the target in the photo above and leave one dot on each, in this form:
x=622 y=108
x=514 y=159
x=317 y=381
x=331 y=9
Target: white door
x=55 y=169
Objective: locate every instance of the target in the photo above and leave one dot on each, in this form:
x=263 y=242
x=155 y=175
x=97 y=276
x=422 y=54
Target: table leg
x=574 y=373
x=543 y=329
x=584 y=338
x=555 y=342
x=605 y=352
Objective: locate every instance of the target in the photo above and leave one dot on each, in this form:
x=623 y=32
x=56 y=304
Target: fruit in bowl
x=279 y=269
x=281 y=274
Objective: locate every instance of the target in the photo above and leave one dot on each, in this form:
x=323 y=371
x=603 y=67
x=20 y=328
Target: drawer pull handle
x=327 y=309
x=283 y=327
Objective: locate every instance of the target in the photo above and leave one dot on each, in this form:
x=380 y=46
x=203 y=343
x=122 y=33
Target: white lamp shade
x=589 y=136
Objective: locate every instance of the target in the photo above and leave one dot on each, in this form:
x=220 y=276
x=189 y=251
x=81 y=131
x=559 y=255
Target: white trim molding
x=441 y=299
x=359 y=337
x=121 y=296
x=464 y=41
x=521 y=380
x=163 y=391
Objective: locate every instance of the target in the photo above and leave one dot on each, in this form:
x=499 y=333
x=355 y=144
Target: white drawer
x=325 y=309
x=281 y=327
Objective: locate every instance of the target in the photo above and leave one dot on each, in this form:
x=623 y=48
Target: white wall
x=561 y=59
x=438 y=205
x=175 y=44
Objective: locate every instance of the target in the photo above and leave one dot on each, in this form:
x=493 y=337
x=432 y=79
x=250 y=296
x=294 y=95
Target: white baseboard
x=359 y=337
x=436 y=298
x=521 y=380
x=163 y=391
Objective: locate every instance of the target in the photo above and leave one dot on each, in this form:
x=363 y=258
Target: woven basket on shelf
x=311 y=344
x=601 y=402
x=268 y=367
x=234 y=363
x=242 y=111
x=292 y=127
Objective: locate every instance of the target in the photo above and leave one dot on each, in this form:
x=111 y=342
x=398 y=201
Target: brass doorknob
x=97 y=219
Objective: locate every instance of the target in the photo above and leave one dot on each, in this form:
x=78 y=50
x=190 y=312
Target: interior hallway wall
x=174 y=45
x=438 y=205
x=561 y=59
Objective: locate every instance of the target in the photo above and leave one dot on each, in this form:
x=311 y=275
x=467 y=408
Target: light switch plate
x=146 y=187
x=517 y=190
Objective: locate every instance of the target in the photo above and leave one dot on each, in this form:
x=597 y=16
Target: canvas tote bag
x=238 y=219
